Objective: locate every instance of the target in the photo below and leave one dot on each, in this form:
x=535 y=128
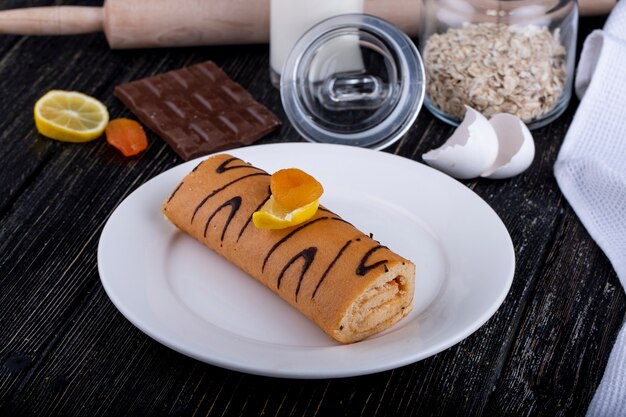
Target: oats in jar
x=495 y=68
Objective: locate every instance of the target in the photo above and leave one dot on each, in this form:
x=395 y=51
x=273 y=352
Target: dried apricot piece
x=293 y=188
x=127 y=136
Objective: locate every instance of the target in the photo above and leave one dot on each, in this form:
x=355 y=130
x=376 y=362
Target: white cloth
x=591 y=171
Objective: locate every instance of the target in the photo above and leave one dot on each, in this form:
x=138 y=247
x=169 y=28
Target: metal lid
x=354 y=80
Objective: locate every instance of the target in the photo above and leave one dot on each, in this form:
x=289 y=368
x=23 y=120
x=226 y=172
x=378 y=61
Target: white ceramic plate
x=188 y=298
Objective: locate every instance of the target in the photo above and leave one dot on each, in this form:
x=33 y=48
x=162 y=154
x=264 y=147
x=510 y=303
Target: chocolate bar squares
x=197 y=110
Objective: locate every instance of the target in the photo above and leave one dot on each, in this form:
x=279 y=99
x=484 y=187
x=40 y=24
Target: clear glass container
x=499 y=56
x=353 y=80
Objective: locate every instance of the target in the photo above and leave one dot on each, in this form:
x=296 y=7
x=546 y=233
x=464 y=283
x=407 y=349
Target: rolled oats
x=495 y=68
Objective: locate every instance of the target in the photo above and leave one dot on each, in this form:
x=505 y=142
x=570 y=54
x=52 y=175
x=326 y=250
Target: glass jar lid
x=354 y=80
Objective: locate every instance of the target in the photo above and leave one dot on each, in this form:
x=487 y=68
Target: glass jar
x=289 y=19
x=353 y=80
x=499 y=56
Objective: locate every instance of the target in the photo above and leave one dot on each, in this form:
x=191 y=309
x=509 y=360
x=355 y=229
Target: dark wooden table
x=66 y=350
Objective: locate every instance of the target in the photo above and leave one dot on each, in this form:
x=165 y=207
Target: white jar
x=290 y=19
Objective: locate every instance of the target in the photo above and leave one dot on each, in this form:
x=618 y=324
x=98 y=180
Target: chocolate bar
x=197 y=110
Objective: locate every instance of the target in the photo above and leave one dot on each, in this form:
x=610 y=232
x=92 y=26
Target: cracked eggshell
x=470 y=151
x=516 y=147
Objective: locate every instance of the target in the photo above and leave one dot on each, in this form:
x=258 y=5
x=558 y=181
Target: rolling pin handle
x=56 y=20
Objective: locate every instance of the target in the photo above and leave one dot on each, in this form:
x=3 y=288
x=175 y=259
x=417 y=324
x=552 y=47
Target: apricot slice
x=127 y=136
x=293 y=188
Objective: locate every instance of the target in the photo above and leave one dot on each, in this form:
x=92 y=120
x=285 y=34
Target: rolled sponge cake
x=350 y=285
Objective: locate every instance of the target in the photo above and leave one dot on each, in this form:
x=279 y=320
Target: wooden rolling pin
x=166 y=23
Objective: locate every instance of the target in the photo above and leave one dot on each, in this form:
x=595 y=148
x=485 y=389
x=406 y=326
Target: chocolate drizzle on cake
x=320 y=208
x=330 y=266
x=324 y=209
x=198 y=166
x=245 y=226
x=339 y=219
x=288 y=236
x=308 y=255
x=174 y=192
x=214 y=192
x=224 y=166
x=234 y=204
x=363 y=269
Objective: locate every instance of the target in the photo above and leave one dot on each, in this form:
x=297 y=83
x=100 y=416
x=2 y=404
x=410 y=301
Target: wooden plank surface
x=65 y=350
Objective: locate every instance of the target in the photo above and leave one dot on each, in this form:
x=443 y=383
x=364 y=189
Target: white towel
x=591 y=171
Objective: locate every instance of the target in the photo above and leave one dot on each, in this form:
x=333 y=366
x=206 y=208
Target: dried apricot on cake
x=294 y=200
x=293 y=188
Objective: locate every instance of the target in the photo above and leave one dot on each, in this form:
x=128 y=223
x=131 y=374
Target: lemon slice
x=273 y=216
x=70 y=116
